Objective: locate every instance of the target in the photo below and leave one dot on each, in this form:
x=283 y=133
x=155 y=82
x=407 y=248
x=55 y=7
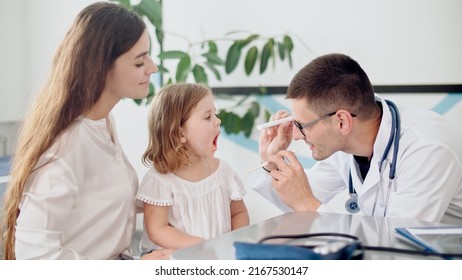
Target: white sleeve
x=325 y=179
x=261 y=183
x=154 y=191
x=44 y=210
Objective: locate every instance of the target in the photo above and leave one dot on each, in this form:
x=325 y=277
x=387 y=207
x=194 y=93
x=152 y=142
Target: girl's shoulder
x=228 y=177
x=224 y=169
x=220 y=165
x=153 y=174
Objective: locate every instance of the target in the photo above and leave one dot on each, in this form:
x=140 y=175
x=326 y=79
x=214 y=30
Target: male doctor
x=394 y=162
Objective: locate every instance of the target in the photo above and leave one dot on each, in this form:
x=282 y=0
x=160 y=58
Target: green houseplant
x=253 y=49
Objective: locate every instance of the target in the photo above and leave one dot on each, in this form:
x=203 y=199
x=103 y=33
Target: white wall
x=30 y=31
x=396 y=42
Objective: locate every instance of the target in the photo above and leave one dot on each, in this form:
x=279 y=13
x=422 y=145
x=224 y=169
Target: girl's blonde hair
x=99 y=35
x=170 y=109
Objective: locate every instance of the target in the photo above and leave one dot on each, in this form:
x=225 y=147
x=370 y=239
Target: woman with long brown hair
x=72 y=189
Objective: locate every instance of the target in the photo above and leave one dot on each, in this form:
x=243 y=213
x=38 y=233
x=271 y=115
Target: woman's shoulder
x=65 y=142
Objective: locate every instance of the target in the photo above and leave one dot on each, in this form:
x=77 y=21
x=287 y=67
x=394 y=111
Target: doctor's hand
x=291 y=183
x=275 y=138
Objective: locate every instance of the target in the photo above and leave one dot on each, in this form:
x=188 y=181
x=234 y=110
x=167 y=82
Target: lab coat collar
x=373 y=175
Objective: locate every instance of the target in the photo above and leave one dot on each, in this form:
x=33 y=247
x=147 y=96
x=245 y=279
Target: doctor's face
x=318 y=131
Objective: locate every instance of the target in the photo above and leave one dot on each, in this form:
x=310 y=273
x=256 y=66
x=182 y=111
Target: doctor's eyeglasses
x=313 y=122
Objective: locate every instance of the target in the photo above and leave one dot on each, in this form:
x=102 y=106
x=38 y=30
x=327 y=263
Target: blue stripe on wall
x=272 y=105
x=447 y=103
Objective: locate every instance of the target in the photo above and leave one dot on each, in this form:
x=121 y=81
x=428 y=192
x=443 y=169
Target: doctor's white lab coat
x=428 y=180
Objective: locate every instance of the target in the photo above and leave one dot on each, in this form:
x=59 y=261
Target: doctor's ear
x=345 y=121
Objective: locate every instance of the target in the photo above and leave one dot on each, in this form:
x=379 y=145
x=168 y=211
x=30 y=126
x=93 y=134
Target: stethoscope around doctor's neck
x=351 y=204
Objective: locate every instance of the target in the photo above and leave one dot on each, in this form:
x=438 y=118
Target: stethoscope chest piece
x=351 y=205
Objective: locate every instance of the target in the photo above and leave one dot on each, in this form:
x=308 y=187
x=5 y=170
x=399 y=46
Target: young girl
x=189 y=195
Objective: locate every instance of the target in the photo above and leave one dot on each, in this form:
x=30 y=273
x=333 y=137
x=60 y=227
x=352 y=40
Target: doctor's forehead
x=301 y=109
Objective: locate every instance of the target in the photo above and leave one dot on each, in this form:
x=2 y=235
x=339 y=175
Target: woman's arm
x=44 y=214
x=239 y=214
x=161 y=232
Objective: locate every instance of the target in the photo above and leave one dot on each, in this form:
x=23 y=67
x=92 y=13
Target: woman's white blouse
x=198 y=208
x=80 y=204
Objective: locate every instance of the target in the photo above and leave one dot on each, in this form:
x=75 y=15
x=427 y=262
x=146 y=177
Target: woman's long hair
x=99 y=35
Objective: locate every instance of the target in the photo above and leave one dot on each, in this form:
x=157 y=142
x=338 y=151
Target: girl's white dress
x=198 y=208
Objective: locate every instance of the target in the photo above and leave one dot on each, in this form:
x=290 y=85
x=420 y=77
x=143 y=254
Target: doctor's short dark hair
x=332 y=82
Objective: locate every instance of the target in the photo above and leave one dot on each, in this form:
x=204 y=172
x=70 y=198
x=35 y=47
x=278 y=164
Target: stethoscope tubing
x=393 y=139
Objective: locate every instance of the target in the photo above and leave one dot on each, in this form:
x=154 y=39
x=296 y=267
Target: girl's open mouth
x=215 y=142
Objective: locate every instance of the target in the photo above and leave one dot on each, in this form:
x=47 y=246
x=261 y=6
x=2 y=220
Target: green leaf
x=152 y=9
x=183 y=68
x=160 y=36
x=214 y=70
x=249 y=39
x=247 y=123
x=213 y=58
x=255 y=109
x=288 y=43
x=230 y=121
x=236 y=123
x=151 y=93
x=162 y=69
x=289 y=46
x=232 y=32
x=290 y=60
x=281 y=50
x=265 y=55
x=213 y=47
x=263 y=90
x=267 y=115
x=232 y=58
x=138 y=101
x=250 y=60
x=199 y=74
x=172 y=55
